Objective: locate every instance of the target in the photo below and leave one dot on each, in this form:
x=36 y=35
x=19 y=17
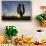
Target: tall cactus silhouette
x=21 y=9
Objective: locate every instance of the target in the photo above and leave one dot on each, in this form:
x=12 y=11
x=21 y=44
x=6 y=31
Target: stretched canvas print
x=16 y=10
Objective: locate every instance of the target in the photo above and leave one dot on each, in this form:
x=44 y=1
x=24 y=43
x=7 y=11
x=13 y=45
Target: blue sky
x=11 y=6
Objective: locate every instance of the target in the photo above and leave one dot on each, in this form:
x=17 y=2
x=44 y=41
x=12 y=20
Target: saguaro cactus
x=21 y=9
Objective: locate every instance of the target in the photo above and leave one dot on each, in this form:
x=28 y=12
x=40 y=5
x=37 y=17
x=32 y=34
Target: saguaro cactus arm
x=23 y=9
x=18 y=8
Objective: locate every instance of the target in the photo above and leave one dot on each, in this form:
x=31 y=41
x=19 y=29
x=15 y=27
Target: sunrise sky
x=10 y=7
